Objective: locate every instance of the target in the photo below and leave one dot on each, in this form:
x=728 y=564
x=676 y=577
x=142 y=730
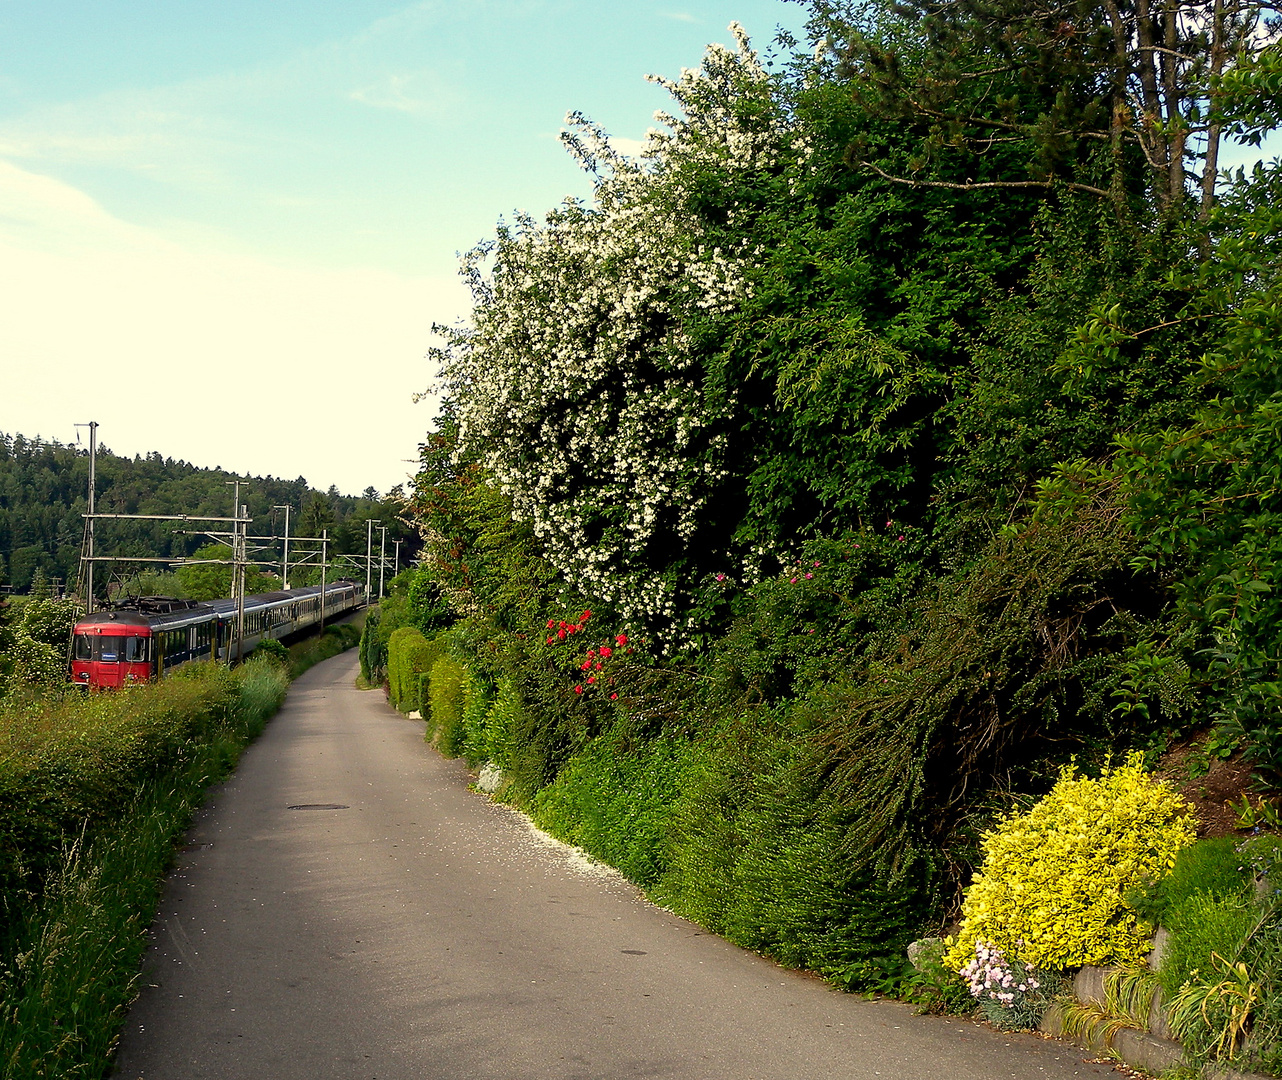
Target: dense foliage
x=897 y=426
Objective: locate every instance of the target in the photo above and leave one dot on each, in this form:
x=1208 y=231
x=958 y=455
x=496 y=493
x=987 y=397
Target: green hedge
x=409 y=656
x=71 y=762
x=93 y=791
x=450 y=683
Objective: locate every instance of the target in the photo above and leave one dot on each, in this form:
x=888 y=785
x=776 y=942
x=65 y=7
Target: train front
x=111 y=648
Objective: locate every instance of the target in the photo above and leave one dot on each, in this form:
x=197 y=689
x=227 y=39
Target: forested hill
x=44 y=485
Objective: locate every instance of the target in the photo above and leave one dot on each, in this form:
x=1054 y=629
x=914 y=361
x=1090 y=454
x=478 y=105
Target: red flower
x=586 y=616
x=606 y=651
x=614 y=697
x=578 y=689
x=571 y=629
x=591 y=678
x=598 y=665
x=561 y=634
x=551 y=623
x=550 y=640
x=585 y=665
x=622 y=639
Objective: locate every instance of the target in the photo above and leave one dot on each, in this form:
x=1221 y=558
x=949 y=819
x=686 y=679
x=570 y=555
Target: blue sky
x=210 y=210
x=227 y=228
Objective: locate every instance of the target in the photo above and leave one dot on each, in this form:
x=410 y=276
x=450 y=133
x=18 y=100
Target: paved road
x=425 y=933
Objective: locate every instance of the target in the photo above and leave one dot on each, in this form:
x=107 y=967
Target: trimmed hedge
x=450 y=684
x=410 y=656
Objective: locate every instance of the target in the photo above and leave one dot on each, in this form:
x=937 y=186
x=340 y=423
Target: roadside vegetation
x=877 y=474
x=95 y=789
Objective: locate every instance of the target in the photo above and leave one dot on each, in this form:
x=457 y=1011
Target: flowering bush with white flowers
x=1012 y=994
x=578 y=384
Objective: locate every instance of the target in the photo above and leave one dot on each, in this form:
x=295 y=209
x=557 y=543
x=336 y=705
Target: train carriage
x=153 y=635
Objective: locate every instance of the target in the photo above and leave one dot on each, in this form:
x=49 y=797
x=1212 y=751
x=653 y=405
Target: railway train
x=153 y=635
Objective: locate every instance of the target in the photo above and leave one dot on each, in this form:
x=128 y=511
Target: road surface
x=423 y=932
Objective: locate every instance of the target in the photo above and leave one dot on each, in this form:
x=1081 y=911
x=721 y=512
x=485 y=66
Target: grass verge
x=75 y=914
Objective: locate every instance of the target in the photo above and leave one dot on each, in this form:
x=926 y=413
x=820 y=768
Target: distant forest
x=43 y=493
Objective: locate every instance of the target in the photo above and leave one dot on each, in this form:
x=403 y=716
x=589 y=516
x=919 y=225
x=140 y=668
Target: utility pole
x=397 y=571
x=93 y=467
x=324 y=555
x=369 y=553
x=284 y=563
x=237 y=570
x=382 y=558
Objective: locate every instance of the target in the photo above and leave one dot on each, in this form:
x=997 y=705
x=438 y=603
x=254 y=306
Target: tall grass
x=113 y=780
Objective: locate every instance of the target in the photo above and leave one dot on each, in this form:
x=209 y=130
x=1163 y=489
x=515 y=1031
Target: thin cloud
x=417 y=94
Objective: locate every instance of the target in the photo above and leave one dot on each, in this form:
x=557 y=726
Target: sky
x=226 y=229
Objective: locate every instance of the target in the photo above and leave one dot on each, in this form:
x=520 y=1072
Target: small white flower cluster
x=993 y=976
x=577 y=383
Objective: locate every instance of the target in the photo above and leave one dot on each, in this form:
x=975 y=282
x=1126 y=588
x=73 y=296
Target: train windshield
x=111 y=648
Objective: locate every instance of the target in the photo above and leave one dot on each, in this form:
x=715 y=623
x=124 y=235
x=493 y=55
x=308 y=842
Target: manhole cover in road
x=319 y=806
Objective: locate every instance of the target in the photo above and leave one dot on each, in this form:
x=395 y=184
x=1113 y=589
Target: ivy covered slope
x=898 y=425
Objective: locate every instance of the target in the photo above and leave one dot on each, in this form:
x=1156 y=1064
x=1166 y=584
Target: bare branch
x=973 y=186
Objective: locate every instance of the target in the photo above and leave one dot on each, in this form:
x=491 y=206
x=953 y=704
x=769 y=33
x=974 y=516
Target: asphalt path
x=424 y=932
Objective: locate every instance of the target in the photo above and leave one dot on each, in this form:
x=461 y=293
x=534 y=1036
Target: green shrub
x=410 y=656
x=373 y=657
x=1214 y=868
x=271 y=649
x=617 y=802
x=494 y=737
x=449 y=687
x=101 y=786
x=476 y=707
x=1200 y=925
x=1050 y=888
x=758 y=853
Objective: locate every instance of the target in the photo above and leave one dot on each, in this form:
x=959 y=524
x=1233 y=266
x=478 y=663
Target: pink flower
x=901 y=538
x=793 y=581
x=721 y=577
x=809 y=576
x=816 y=562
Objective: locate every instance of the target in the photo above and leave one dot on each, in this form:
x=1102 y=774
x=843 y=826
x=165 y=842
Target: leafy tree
x=1049 y=86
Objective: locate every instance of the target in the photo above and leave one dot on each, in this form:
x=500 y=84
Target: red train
x=156 y=634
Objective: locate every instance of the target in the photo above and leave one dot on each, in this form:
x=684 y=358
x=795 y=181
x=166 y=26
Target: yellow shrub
x=1051 y=885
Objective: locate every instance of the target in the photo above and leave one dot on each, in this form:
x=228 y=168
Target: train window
x=84 y=647
x=136 y=650
x=109 y=649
